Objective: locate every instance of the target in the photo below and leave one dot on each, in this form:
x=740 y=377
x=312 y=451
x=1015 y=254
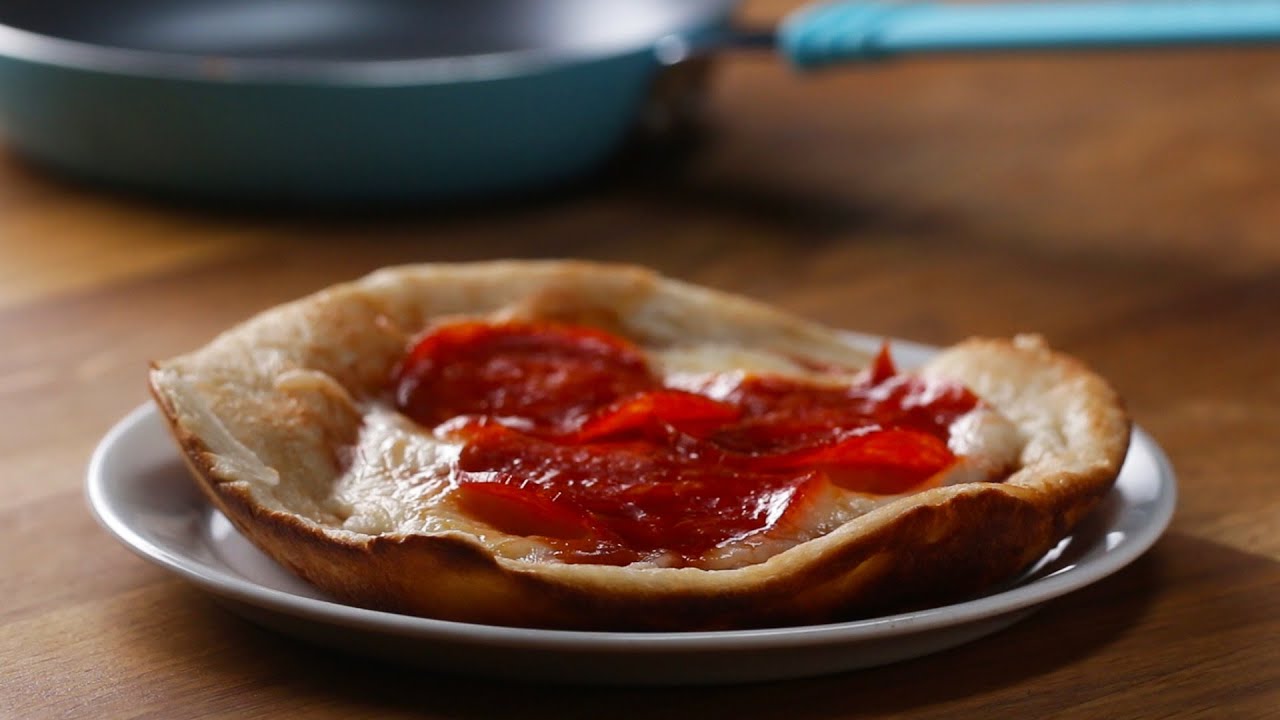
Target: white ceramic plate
x=141 y=493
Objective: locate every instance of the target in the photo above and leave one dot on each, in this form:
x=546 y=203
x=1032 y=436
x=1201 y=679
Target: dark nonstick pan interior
x=355 y=30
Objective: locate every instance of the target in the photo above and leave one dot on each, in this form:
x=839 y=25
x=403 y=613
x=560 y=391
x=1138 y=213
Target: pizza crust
x=264 y=413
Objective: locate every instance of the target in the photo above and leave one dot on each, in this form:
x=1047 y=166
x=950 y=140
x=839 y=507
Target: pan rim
x=30 y=46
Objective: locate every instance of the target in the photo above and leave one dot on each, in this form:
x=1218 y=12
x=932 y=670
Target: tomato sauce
x=570 y=436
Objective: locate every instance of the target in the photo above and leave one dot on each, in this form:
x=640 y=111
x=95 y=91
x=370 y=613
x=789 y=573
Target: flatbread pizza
x=584 y=446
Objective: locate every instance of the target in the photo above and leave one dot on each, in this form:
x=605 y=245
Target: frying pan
x=386 y=99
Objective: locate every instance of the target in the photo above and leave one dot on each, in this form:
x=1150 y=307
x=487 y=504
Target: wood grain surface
x=1127 y=206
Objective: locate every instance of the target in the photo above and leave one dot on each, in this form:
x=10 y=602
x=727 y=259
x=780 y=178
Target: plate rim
x=226 y=583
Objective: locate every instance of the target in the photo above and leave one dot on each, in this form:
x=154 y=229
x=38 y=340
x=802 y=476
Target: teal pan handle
x=867 y=30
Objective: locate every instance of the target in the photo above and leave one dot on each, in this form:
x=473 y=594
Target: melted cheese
x=399 y=478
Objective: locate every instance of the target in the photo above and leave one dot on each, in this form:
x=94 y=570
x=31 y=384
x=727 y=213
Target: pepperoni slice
x=544 y=373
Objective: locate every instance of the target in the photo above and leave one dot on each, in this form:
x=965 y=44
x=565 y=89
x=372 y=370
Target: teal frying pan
x=351 y=100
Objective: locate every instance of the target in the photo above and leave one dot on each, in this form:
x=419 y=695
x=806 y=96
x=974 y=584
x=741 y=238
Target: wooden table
x=1128 y=207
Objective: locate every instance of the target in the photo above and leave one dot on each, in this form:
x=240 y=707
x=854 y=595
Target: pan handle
x=870 y=29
